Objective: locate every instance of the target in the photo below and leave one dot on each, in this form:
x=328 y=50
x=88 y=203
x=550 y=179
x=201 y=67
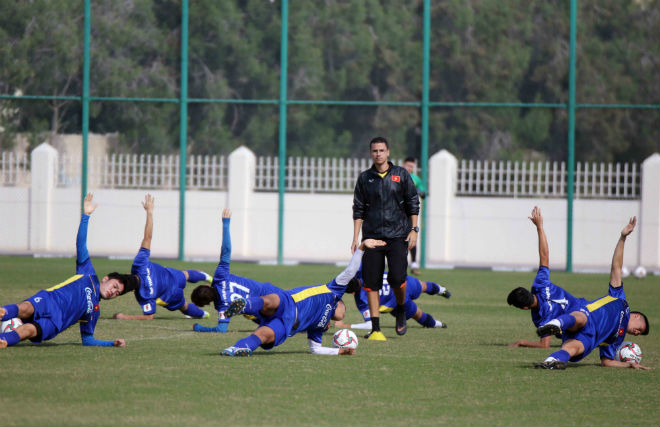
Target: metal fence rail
x=547 y=179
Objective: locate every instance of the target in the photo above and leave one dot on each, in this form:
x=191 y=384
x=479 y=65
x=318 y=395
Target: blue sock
x=195 y=276
x=11 y=311
x=193 y=311
x=254 y=305
x=566 y=321
x=427 y=321
x=251 y=342
x=11 y=337
x=432 y=288
x=561 y=355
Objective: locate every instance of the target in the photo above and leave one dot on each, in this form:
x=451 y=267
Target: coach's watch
x=415 y=229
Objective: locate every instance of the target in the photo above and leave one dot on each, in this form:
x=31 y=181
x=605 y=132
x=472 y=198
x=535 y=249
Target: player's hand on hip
x=119 y=343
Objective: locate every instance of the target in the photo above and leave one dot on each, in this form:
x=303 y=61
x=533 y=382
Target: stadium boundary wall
x=42 y=219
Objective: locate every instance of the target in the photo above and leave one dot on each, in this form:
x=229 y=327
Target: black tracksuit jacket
x=385 y=204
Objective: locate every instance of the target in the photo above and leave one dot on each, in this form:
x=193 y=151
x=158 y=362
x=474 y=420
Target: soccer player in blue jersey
x=160 y=285
x=414 y=289
x=226 y=287
x=601 y=323
x=545 y=300
x=303 y=309
x=76 y=300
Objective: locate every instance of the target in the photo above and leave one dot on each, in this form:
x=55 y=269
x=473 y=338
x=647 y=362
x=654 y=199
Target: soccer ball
x=344 y=338
x=10 y=325
x=640 y=272
x=624 y=271
x=629 y=352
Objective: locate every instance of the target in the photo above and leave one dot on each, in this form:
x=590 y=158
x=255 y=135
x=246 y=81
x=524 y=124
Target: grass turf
x=465 y=375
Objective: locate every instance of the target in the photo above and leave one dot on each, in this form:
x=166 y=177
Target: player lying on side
x=160 y=285
x=601 y=323
x=545 y=300
x=303 y=309
x=76 y=300
x=414 y=289
x=226 y=287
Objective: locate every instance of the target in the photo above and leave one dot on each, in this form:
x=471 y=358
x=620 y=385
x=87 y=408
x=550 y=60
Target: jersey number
x=233 y=287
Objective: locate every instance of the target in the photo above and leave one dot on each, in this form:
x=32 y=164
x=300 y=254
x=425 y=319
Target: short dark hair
x=203 y=294
x=646 y=320
x=410 y=159
x=130 y=281
x=353 y=286
x=379 y=139
x=520 y=297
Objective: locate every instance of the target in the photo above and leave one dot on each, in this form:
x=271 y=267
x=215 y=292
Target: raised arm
x=148 y=206
x=544 y=252
x=617 y=258
x=82 y=254
x=225 y=250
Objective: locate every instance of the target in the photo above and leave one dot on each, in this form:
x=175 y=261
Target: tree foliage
x=511 y=51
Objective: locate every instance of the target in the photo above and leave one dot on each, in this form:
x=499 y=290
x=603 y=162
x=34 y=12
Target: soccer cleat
x=208 y=277
x=376 y=336
x=552 y=364
x=206 y=315
x=400 y=314
x=414 y=271
x=236 y=352
x=548 y=329
x=236 y=307
x=445 y=293
x=439 y=324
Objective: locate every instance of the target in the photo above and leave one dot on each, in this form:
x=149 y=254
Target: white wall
x=461 y=231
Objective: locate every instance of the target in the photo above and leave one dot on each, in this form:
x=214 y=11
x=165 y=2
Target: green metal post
x=571 y=137
x=85 y=102
x=282 y=140
x=183 y=126
x=425 y=120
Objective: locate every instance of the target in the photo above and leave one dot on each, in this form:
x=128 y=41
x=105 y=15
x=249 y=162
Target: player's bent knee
x=265 y=334
x=25 y=310
x=27 y=331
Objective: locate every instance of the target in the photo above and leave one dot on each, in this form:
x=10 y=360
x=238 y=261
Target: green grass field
x=465 y=375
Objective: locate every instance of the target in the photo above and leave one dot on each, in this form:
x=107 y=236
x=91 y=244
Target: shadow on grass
x=260 y=353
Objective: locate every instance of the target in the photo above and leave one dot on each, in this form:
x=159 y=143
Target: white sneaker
x=209 y=278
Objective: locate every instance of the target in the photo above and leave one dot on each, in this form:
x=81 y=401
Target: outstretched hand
x=148 y=203
x=226 y=213
x=119 y=343
x=88 y=205
x=629 y=227
x=536 y=217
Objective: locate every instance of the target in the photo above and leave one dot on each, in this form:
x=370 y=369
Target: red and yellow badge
x=621 y=331
x=396 y=178
x=96 y=307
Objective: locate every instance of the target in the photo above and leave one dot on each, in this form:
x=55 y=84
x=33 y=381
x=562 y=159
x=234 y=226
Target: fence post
x=649 y=212
x=241 y=171
x=442 y=192
x=43 y=160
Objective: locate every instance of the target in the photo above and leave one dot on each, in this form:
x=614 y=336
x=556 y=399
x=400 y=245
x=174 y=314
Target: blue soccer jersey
x=387 y=297
x=72 y=301
x=606 y=326
x=230 y=286
x=553 y=301
x=315 y=306
x=158 y=285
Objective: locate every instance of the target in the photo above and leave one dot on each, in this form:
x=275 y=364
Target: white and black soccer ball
x=639 y=272
x=344 y=338
x=10 y=325
x=629 y=352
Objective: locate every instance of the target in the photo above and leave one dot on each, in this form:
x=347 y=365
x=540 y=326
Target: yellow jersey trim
x=66 y=282
x=599 y=303
x=310 y=292
x=382 y=175
x=161 y=303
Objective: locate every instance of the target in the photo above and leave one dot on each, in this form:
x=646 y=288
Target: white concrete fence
x=485 y=228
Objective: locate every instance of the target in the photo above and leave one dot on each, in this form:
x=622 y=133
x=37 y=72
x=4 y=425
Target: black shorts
x=373 y=264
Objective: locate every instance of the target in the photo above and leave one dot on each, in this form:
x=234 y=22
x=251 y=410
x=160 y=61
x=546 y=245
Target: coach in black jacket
x=385 y=207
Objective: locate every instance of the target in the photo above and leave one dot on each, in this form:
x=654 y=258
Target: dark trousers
x=373 y=264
